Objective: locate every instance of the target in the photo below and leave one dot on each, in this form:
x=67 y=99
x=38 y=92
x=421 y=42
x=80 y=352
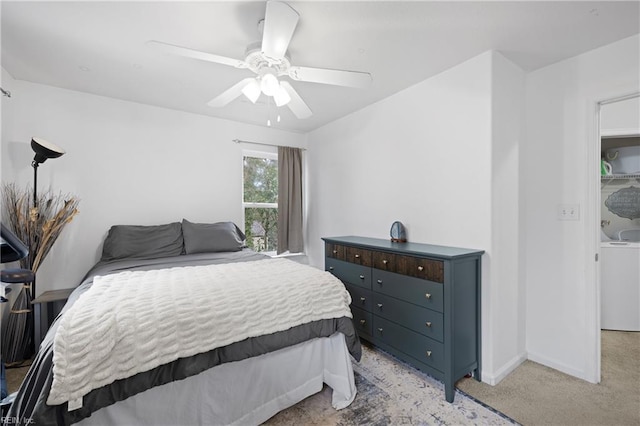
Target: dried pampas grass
x=38 y=227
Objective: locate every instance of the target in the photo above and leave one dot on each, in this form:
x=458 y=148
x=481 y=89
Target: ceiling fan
x=269 y=60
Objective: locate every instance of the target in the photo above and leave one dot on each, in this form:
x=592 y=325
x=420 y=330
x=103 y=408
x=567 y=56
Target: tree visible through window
x=260 y=200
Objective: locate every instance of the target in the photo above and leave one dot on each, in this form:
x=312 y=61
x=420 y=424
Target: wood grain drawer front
x=414 y=290
x=334 y=251
x=358 y=256
x=411 y=343
x=420 y=267
x=422 y=320
x=349 y=272
x=384 y=261
x=362 y=321
x=360 y=297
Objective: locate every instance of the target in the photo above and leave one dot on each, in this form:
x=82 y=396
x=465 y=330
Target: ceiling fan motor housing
x=256 y=60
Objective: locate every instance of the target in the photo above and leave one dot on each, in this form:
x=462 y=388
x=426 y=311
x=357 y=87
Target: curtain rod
x=262 y=143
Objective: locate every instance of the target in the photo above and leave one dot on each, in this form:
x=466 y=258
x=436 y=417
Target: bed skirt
x=246 y=392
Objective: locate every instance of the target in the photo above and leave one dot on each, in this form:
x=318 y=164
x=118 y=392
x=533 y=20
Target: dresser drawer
x=411 y=343
x=384 y=261
x=358 y=256
x=349 y=254
x=415 y=290
x=422 y=320
x=362 y=321
x=334 y=251
x=360 y=297
x=420 y=267
x=349 y=272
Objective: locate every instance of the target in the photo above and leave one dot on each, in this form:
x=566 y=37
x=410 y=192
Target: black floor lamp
x=44 y=150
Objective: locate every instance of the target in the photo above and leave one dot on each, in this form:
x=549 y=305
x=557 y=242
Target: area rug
x=391 y=392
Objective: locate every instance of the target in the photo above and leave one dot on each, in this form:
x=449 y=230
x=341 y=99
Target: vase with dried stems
x=38 y=226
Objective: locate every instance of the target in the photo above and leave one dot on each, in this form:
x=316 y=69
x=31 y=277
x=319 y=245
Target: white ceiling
x=99 y=47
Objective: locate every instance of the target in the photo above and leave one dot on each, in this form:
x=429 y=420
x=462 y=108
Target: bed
x=181 y=324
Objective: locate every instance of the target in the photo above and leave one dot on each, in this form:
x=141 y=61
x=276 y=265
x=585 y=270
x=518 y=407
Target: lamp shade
x=252 y=90
x=269 y=84
x=44 y=150
x=281 y=96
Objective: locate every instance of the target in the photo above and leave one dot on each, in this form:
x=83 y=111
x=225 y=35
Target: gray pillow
x=135 y=241
x=211 y=237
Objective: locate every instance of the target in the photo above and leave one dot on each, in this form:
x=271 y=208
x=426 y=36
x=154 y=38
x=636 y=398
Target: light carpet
x=391 y=392
x=536 y=395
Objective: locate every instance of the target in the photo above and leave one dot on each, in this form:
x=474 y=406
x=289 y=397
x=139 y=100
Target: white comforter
x=132 y=322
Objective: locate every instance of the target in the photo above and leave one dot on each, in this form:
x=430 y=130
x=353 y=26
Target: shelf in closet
x=607 y=179
x=621 y=176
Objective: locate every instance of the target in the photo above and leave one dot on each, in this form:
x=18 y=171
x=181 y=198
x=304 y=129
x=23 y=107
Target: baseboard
x=580 y=374
x=504 y=371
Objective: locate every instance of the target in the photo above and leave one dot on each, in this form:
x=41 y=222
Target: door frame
x=592 y=228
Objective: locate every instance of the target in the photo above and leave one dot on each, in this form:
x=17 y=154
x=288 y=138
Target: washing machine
x=620 y=285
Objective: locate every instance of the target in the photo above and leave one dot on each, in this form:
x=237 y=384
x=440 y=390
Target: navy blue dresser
x=419 y=302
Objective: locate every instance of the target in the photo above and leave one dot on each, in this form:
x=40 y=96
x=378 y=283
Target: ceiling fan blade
x=230 y=94
x=280 y=21
x=345 y=78
x=296 y=104
x=195 y=54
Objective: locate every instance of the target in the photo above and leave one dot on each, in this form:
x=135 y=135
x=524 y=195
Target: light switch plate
x=568 y=211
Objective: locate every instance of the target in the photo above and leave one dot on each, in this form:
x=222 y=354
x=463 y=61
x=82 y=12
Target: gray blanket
x=30 y=405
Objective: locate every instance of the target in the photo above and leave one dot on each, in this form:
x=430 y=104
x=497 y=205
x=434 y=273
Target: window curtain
x=290 y=200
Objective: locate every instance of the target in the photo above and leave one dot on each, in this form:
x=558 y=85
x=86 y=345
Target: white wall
x=128 y=163
x=505 y=299
x=561 y=167
x=6 y=168
x=425 y=157
x=400 y=158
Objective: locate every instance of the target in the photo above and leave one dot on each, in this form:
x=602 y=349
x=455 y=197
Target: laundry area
x=620 y=215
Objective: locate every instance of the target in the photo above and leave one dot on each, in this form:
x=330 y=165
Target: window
x=260 y=201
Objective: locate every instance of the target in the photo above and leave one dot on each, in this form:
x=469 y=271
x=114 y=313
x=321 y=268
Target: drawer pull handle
x=380 y=305
x=428 y=295
x=428 y=323
x=379 y=281
x=335 y=252
x=363 y=322
x=385 y=261
x=357 y=256
x=362 y=277
x=331 y=268
x=380 y=330
x=420 y=268
x=428 y=353
x=362 y=299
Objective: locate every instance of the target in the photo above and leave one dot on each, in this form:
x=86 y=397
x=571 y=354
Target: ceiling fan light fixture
x=269 y=84
x=268 y=59
x=281 y=96
x=252 y=90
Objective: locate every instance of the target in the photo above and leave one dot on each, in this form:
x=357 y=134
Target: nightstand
x=45 y=309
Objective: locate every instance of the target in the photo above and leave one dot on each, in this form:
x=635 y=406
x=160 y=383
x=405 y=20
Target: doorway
x=618 y=219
